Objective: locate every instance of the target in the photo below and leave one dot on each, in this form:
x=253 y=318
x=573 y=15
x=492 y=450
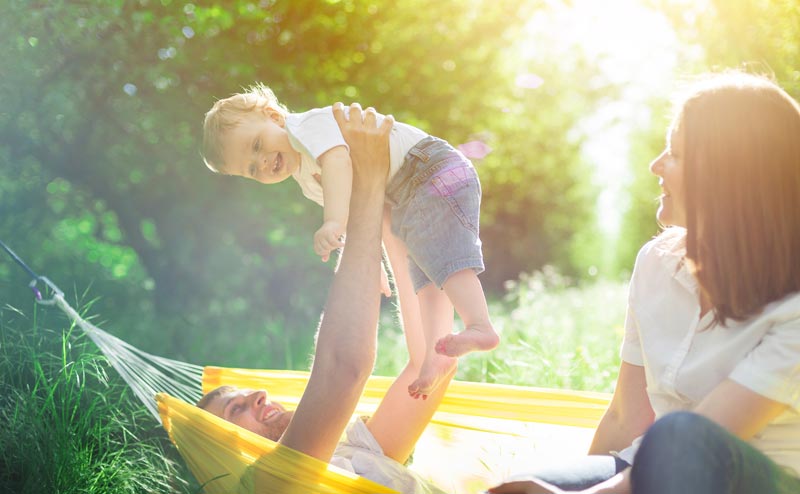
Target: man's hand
x=327 y=238
x=369 y=143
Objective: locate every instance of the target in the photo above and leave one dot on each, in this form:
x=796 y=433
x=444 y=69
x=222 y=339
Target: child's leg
x=399 y=421
x=466 y=293
x=437 y=321
x=406 y=298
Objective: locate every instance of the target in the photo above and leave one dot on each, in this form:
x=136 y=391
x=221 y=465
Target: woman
x=713 y=324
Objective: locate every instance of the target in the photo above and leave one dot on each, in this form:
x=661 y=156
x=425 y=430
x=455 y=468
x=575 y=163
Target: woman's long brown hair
x=742 y=180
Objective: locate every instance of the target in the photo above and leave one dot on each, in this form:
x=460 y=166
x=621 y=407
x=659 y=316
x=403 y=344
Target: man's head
x=249 y=409
x=244 y=135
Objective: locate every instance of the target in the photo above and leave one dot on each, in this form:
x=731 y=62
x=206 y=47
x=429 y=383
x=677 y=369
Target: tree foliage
x=762 y=36
x=102 y=184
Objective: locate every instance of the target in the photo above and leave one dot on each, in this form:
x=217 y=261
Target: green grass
x=554 y=334
x=70 y=425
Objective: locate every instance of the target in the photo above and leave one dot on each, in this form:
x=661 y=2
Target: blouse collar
x=670 y=246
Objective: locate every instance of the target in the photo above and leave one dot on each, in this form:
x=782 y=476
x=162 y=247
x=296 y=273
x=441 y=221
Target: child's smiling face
x=259 y=148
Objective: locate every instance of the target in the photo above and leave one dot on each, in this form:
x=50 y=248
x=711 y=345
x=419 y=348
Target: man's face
x=259 y=149
x=253 y=411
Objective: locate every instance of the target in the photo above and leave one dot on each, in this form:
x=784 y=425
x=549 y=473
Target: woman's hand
x=530 y=485
x=618 y=484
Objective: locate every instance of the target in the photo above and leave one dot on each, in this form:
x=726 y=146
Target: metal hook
x=56 y=292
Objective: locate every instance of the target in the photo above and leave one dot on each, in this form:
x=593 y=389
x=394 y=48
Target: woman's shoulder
x=785 y=310
x=669 y=247
x=658 y=261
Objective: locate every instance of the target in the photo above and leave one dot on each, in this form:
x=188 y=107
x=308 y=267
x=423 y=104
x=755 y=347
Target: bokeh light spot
x=475 y=149
x=528 y=81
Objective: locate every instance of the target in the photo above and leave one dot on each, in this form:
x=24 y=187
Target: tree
x=760 y=36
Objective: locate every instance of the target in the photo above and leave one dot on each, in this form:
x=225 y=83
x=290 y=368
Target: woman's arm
x=740 y=410
x=628 y=417
x=629 y=414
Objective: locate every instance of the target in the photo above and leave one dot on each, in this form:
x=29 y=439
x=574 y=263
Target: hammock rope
x=146 y=374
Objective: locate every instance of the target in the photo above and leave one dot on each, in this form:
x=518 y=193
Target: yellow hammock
x=225 y=458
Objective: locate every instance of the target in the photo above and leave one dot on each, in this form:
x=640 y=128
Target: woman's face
x=668 y=167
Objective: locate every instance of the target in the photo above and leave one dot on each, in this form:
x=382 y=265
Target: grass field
x=554 y=334
x=70 y=425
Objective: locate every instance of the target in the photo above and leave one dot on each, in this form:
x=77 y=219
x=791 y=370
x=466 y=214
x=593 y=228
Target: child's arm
x=337 y=182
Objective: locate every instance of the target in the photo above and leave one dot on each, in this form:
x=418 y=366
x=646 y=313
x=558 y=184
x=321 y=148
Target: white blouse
x=685 y=356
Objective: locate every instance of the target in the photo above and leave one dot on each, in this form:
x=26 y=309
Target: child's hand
x=385 y=288
x=328 y=238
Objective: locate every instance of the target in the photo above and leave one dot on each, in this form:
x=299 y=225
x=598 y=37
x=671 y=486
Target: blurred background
x=103 y=189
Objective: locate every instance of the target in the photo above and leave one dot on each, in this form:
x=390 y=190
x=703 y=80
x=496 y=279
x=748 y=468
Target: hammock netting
x=225 y=458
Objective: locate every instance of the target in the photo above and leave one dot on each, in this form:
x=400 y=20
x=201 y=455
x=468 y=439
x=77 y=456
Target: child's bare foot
x=471 y=339
x=434 y=369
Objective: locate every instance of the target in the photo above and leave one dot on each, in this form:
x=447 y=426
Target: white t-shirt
x=314 y=132
x=684 y=359
x=361 y=454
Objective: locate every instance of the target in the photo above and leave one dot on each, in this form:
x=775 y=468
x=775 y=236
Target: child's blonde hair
x=227 y=114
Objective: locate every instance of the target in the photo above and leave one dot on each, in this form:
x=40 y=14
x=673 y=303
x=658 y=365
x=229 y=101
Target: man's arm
x=346 y=341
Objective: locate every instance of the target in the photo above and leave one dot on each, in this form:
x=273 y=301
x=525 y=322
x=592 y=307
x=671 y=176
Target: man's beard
x=276 y=429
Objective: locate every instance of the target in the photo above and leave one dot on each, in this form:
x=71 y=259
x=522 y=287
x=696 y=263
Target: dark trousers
x=683 y=453
x=687 y=453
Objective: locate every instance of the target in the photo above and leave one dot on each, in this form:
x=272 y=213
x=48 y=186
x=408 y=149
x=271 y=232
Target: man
x=346 y=343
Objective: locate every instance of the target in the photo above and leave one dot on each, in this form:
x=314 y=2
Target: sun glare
x=636 y=50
